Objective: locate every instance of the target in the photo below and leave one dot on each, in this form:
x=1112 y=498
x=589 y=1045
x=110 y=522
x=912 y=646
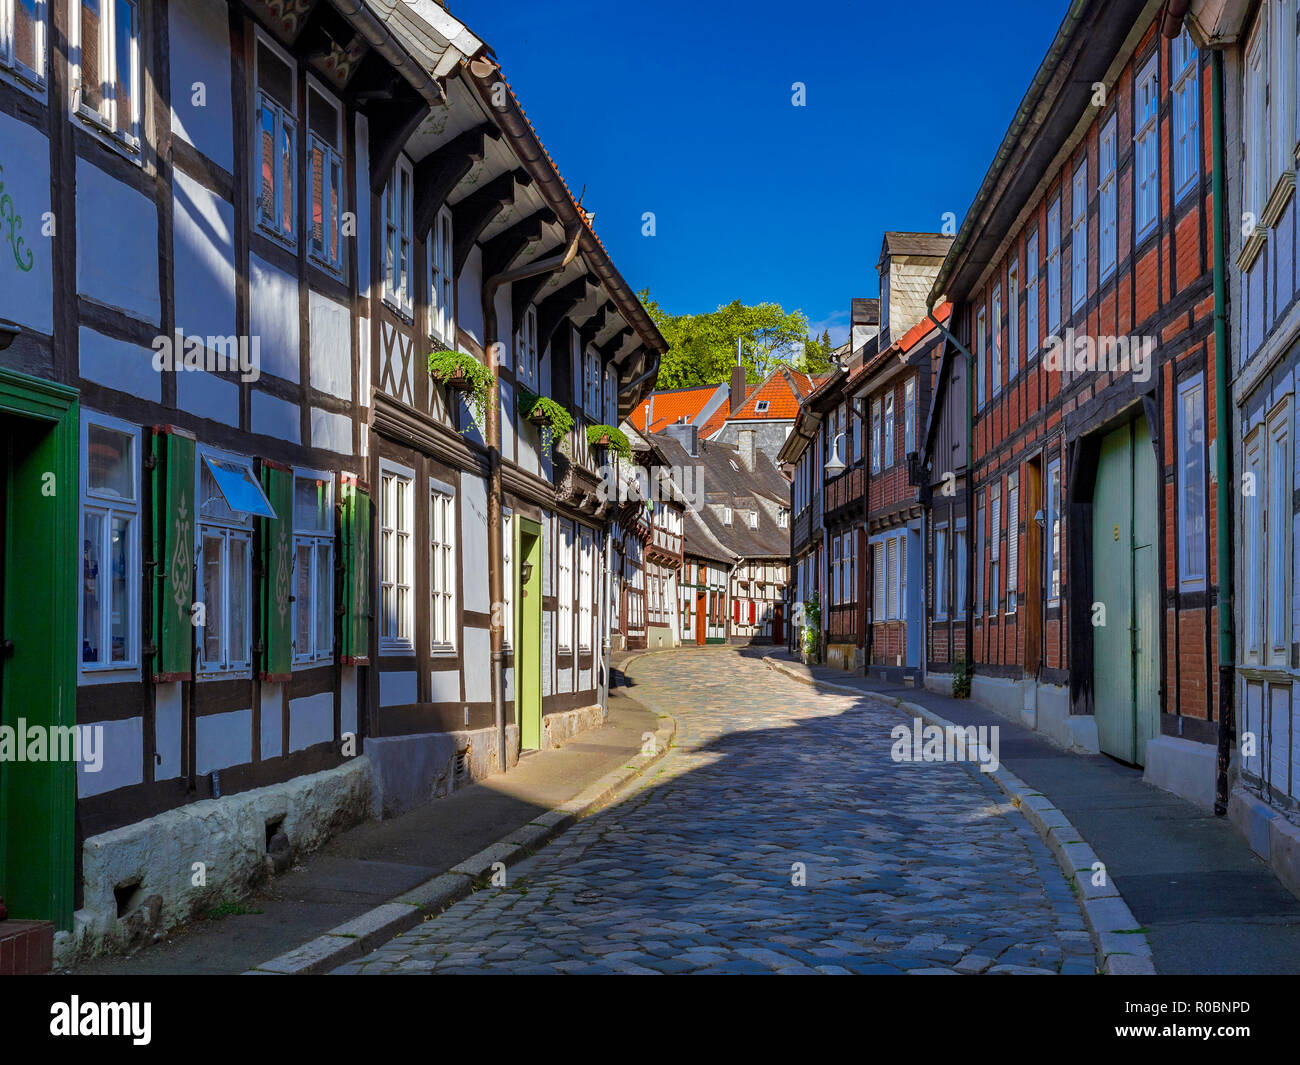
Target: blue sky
x=685 y=109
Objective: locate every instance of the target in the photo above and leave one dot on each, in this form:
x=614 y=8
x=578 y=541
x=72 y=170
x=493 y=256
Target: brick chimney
x=737 y=387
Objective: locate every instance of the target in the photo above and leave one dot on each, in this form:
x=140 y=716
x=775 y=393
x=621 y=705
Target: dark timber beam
x=591 y=328
x=556 y=308
x=504 y=248
x=441 y=171
x=475 y=213
x=610 y=348
x=391 y=125
x=522 y=293
x=325 y=29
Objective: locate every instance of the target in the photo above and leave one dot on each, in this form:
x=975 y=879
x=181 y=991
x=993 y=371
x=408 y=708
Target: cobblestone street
x=909 y=867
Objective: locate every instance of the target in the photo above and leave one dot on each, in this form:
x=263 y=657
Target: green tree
x=702 y=347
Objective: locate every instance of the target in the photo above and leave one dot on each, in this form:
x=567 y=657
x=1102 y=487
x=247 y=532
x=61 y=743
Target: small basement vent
x=128 y=896
x=463 y=763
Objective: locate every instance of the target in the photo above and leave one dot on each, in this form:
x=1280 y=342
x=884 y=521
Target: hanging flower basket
x=610 y=437
x=461 y=372
x=552 y=418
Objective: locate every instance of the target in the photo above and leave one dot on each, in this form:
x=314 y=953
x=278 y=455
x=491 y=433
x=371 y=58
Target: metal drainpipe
x=495 y=576
x=1227 y=670
x=970 y=481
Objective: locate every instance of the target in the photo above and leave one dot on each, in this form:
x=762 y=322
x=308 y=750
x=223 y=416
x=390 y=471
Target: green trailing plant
x=553 y=419
x=610 y=437
x=459 y=370
x=812 y=623
x=960 y=678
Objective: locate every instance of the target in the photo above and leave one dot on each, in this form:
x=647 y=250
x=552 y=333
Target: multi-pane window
x=564 y=593
x=1013 y=540
x=398 y=200
x=325 y=173
x=835 y=571
x=1107 y=185
x=941 y=571
x=22 y=38
x=1079 y=236
x=611 y=396
x=396 y=523
x=960 y=578
x=442 y=567
x=891 y=577
x=1256 y=178
x=1013 y=320
x=909 y=416
x=1253 y=558
x=981 y=357
x=110 y=544
x=313 y=566
x=526 y=348
x=1191 y=483
x=106 y=60
x=979 y=558
x=878 y=582
x=875 y=435
x=997 y=339
x=1031 y=295
x=586 y=562
x=995 y=552
x=1054 y=531
x=1282 y=89
x=442 y=301
x=1278 y=554
x=1187 y=111
x=1146 y=153
x=276 y=152
x=1054 y=267
x=887 y=439
x=591 y=379
x=229 y=495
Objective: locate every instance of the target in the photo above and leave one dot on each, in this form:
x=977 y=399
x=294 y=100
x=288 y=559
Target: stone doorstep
x=364 y=933
x=26 y=948
x=1103 y=913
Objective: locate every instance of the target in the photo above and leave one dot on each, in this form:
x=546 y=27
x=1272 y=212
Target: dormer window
x=761 y=406
x=753 y=519
x=726 y=515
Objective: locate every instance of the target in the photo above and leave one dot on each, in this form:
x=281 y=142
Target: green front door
x=1125 y=608
x=528 y=624
x=38 y=640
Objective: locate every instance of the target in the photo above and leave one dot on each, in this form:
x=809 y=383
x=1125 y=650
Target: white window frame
x=284 y=117
x=762 y=406
x=887 y=433
x=1191 y=570
x=1279 y=520
x=317 y=540
x=1054 y=267
x=1013 y=320
x=981 y=355
x=1254 y=558
x=909 y=416
x=333 y=169
x=1255 y=179
x=610 y=385
x=443 y=568
x=878 y=582
x=1013 y=541
x=941 y=571
x=107 y=506
x=1184 y=65
x=1032 y=338
x=398 y=236
x=1146 y=150
x=586 y=577
x=875 y=435
x=1054 y=538
x=995 y=551
x=1282 y=90
x=591 y=382
x=398 y=543
x=959 y=576
x=441 y=293
x=1079 y=236
x=564 y=586
x=995 y=320
x=1108 y=200
x=104 y=119
x=33 y=77
x=507 y=578
x=230 y=529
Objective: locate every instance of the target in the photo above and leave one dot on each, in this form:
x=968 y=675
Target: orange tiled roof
x=671 y=407
x=782 y=401
x=720 y=415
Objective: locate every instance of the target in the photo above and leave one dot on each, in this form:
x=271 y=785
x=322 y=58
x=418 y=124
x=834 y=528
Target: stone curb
x=364 y=933
x=1123 y=949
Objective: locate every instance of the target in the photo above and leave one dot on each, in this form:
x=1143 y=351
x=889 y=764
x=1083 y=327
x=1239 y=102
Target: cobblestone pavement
x=917 y=868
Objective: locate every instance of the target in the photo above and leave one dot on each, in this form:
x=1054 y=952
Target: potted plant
x=610 y=437
x=812 y=617
x=553 y=419
x=461 y=372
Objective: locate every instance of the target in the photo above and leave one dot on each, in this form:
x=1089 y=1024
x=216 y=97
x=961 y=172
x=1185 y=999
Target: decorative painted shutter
x=173 y=552
x=277 y=573
x=356 y=573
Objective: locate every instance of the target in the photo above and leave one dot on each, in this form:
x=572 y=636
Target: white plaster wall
x=27 y=296
x=222 y=740
x=473 y=542
x=396 y=689
x=203 y=246
x=167 y=731
x=445 y=687
x=469 y=302
x=507 y=400
x=331 y=431
x=363 y=212
x=478 y=665
x=272 y=720
x=199 y=40
x=311 y=720
x=273 y=302
x=331 y=346
x=119 y=365
x=117 y=244
x=348 y=695
x=276 y=417
x=121 y=758
x=208 y=396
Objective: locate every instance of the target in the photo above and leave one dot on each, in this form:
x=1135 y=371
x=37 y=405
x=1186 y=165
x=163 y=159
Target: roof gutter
x=376 y=34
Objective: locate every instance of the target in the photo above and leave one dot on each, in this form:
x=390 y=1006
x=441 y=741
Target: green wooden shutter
x=356 y=586
x=277 y=573
x=173 y=552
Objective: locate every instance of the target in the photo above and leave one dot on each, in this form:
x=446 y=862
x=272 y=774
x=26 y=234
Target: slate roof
x=932 y=244
x=726 y=482
x=864 y=311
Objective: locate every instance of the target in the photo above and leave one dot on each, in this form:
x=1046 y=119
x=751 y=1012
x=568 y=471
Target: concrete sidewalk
x=1207 y=903
x=369 y=865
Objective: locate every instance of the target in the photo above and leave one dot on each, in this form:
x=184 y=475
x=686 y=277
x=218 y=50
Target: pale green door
x=1125 y=612
x=528 y=624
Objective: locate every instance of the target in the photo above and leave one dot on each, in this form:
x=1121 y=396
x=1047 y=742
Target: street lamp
x=835 y=464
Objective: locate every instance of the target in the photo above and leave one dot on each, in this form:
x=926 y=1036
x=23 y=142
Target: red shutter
x=753 y=611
